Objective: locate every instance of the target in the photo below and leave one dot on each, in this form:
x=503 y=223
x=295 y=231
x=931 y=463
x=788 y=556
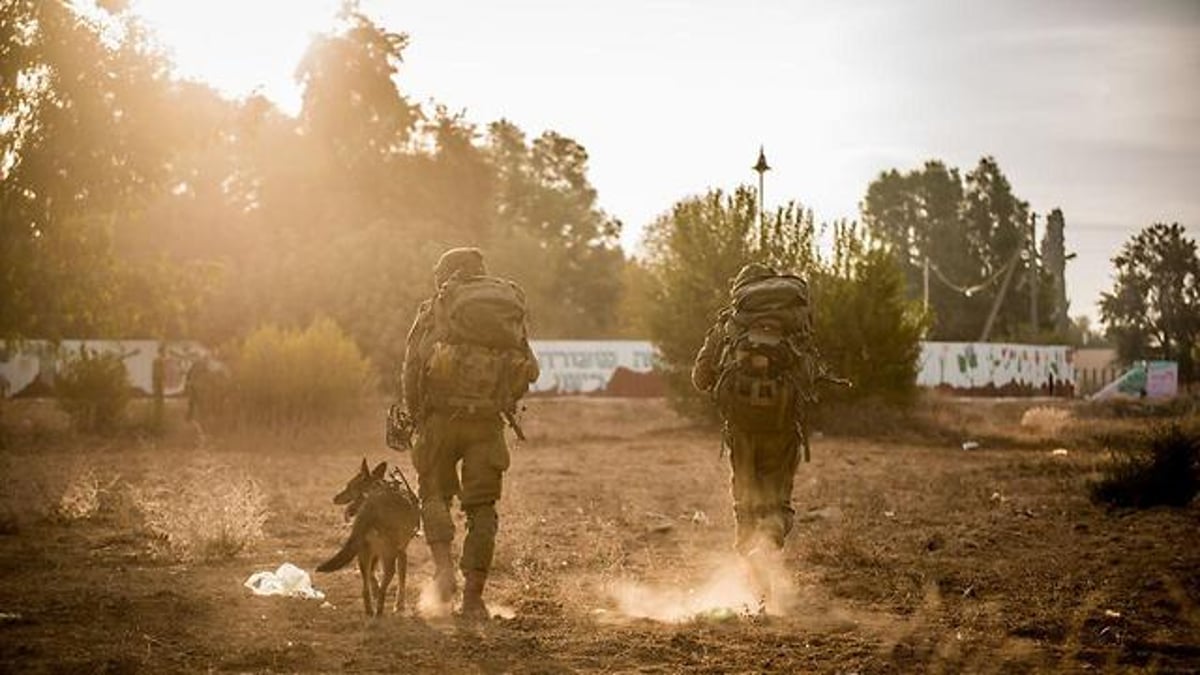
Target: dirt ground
x=613 y=557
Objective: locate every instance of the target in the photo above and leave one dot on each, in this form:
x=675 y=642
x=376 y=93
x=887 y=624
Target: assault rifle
x=823 y=377
x=510 y=417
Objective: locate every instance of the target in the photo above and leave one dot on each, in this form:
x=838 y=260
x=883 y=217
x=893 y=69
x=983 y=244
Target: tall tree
x=693 y=254
x=863 y=321
x=84 y=142
x=351 y=102
x=545 y=199
x=969 y=230
x=1153 y=310
x=1000 y=230
x=866 y=328
x=918 y=215
x=1054 y=257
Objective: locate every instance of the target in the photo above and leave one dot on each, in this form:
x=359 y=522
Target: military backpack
x=766 y=367
x=475 y=356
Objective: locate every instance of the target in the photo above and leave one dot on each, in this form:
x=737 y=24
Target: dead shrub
x=1046 y=421
x=84 y=495
x=1162 y=470
x=205 y=512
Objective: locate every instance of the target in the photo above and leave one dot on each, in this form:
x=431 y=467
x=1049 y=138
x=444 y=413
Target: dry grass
x=1045 y=421
x=204 y=511
x=86 y=491
x=906 y=557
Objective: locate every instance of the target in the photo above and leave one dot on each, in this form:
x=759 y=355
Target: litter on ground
x=288 y=580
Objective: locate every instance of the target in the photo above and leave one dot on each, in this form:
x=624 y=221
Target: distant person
x=466 y=363
x=195 y=385
x=158 y=377
x=759 y=363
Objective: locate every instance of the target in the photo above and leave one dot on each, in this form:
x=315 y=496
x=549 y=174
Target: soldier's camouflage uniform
x=448 y=437
x=763 y=462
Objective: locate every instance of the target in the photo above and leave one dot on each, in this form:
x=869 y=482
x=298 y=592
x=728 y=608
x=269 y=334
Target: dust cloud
x=756 y=584
x=428 y=604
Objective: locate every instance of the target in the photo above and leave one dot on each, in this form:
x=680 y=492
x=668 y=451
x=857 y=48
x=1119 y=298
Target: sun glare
x=239 y=46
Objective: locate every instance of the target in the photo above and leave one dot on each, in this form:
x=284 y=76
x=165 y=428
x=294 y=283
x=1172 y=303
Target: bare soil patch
x=908 y=556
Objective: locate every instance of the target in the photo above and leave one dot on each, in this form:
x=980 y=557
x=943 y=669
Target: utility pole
x=987 y=327
x=1033 y=278
x=761 y=167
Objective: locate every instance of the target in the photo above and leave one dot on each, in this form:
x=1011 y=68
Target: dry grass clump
x=1046 y=421
x=204 y=512
x=33 y=491
x=84 y=495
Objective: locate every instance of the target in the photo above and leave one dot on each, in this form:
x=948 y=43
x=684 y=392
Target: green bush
x=93 y=389
x=865 y=328
x=1164 y=470
x=299 y=376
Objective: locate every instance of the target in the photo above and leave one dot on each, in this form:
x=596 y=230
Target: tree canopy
x=1153 y=309
x=976 y=236
x=865 y=328
x=135 y=204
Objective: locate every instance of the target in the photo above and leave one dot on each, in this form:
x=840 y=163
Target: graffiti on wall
x=30 y=368
x=997 y=368
x=596 y=367
x=612 y=367
x=1146 y=379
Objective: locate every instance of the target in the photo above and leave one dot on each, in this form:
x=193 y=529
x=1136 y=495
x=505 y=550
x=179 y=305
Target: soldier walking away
x=759 y=363
x=467 y=362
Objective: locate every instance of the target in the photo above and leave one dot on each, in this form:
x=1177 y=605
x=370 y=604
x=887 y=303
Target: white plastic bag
x=288 y=580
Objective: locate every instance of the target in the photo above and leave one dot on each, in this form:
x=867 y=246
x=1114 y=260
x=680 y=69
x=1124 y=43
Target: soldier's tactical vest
x=474 y=356
x=764 y=365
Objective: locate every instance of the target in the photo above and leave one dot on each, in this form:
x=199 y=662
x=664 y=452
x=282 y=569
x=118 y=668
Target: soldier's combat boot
x=473 y=608
x=443 y=571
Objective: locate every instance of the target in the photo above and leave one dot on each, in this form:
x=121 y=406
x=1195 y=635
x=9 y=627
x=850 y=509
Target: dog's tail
x=349 y=549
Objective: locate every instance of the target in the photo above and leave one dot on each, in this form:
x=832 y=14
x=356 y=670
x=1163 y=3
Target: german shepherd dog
x=386 y=517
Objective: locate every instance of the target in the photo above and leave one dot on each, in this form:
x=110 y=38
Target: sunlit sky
x=1092 y=106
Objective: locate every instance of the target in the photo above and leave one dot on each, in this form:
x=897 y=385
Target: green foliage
x=351 y=102
x=93 y=389
x=637 y=301
x=1153 y=310
x=693 y=254
x=79 y=101
x=136 y=205
x=287 y=377
x=866 y=329
x=1054 y=258
x=542 y=193
x=865 y=326
x=1165 y=470
x=970 y=228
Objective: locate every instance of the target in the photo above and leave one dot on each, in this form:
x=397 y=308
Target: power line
x=972 y=290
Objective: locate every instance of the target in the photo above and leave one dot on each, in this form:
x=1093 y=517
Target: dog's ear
x=365 y=469
x=380 y=470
